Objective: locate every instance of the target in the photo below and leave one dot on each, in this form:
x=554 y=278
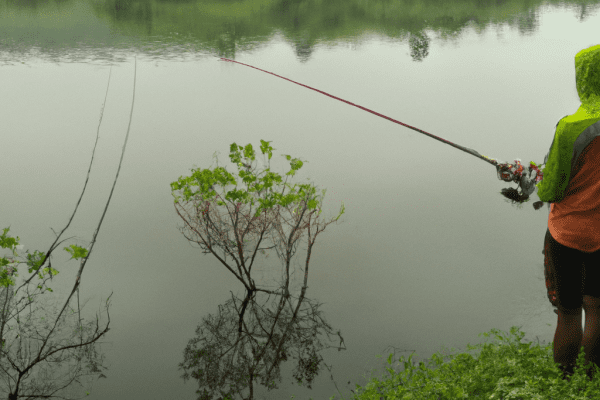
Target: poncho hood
x=587 y=76
x=562 y=155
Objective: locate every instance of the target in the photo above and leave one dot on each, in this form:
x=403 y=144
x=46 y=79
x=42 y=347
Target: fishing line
x=506 y=172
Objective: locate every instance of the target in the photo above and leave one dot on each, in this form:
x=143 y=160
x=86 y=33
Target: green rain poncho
x=573 y=132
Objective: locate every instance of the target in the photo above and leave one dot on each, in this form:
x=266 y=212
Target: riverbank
x=506 y=369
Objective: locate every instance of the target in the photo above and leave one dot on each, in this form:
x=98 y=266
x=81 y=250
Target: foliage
x=206 y=179
x=76 y=252
x=34 y=261
x=231 y=351
x=507 y=370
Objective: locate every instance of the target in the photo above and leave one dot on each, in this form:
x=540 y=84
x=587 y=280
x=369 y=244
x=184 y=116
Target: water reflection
x=246 y=342
x=225 y=28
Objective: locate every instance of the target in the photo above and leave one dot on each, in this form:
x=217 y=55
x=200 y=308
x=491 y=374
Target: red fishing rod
x=506 y=172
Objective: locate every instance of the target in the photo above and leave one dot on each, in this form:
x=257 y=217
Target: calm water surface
x=427 y=254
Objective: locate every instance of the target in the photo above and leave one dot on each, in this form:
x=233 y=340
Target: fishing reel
x=526 y=177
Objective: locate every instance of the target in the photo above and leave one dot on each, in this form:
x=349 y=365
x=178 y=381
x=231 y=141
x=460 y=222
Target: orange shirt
x=575 y=220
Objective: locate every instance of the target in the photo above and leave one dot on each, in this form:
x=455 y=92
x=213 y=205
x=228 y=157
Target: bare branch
x=34 y=345
x=22 y=356
x=247 y=341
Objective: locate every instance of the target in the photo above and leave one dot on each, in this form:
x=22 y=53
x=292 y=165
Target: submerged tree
x=245 y=341
x=40 y=355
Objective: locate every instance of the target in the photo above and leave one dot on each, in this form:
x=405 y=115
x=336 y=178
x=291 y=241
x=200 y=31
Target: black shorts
x=570 y=274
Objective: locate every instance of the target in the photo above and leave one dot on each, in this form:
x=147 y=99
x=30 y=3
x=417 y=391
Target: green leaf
x=249 y=152
x=6 y=281
x=206 y=181
x=76 y=252
x=35 y=260
x=265 y=147
x=8 y=242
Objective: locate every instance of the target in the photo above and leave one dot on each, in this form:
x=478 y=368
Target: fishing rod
x=525 y=176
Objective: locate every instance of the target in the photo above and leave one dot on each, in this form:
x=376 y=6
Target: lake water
x=427 y=255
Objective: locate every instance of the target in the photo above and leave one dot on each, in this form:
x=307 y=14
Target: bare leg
x=568 y=337
x=591 y=335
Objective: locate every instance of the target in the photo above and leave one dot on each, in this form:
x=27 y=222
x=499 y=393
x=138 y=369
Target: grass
x=506 y=370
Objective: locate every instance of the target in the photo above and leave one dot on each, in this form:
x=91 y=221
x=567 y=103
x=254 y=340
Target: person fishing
x=569 y=181
x=571 y=186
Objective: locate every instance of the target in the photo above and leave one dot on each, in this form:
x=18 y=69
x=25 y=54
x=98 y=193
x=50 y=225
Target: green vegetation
x=507 y=370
